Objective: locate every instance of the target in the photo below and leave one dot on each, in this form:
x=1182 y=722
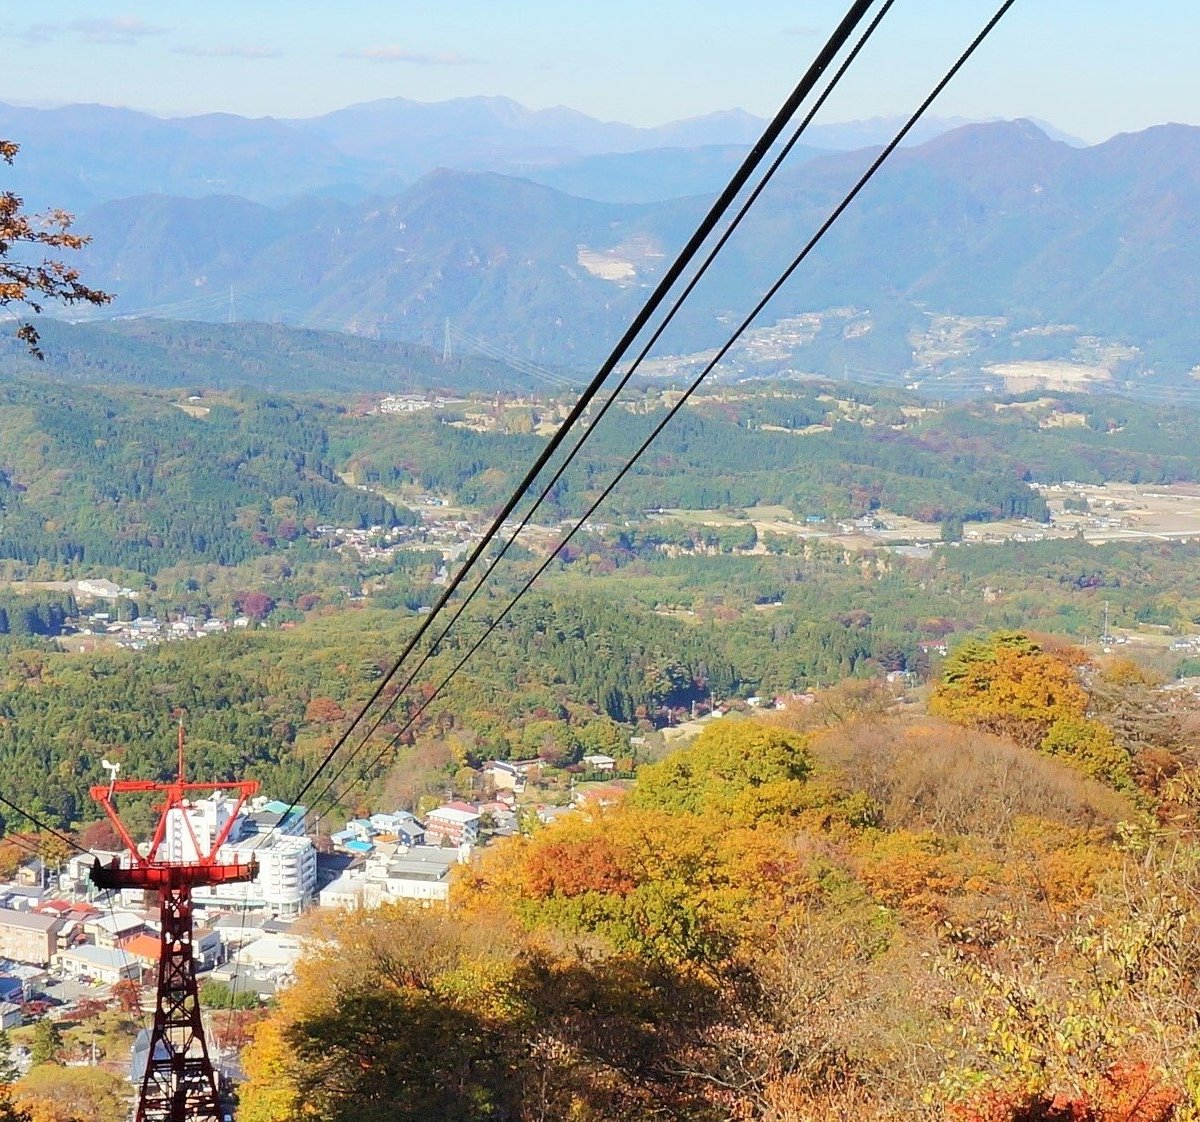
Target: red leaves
x=575 y=867
x=1128 y=1092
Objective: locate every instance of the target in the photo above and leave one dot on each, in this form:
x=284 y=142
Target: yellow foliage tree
x=1008 y=685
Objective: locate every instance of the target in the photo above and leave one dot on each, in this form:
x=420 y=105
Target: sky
x=1090 y=67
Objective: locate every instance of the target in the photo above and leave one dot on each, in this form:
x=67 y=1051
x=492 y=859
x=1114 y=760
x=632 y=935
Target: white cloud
x=122 y=30
x=413 y=58
x=229 y=52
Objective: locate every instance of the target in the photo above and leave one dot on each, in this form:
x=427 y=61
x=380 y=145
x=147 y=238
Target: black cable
x=875 y=165
x=837 y=40
x=678 y=302
x=45 y=827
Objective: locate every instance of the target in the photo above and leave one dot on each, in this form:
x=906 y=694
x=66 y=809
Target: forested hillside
x=264 y=356
x=137 y=482
x=988 y=915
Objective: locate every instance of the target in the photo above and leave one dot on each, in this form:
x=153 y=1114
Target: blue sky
x=1091 y=67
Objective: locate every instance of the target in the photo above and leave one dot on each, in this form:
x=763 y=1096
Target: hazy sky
x=1091 y=67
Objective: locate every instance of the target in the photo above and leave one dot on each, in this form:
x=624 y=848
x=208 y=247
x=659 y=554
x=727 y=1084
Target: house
x=10 y=1016
x=31 y=874
x=29 y=937
x=19 y=897
x=599 y=762
x=108 y=965
x=601 y=794
x=547 y=814
x=12 y=988
x=420 y=873
x=275 y=955
x=455 y=823
x=400 y=825
x=510 y=775
x=112 y=928
x=346 y=893
x=77 y=877
x=99 y=588
x=348 y=842
x=145 y=948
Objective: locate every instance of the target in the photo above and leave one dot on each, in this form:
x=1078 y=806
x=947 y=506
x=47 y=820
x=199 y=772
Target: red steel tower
x=179 y=1083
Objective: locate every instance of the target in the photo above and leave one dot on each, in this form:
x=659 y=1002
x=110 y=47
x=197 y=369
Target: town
x=68 y=948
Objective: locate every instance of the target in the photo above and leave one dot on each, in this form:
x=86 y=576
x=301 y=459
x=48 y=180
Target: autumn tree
x=47 y=1043
x=73 y=1094
x=29 y=282
x=1010 y=685
x=731 y=763
x=129 y=996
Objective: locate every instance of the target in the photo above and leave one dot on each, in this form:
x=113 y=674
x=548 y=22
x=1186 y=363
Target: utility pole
x=447 y=344
x=179 y=1084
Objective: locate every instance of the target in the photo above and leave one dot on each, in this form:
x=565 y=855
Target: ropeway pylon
x=179 y=1084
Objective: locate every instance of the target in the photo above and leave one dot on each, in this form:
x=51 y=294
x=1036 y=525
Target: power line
x=520 y=365
x=45 y=827
x=624 y=380
x=720 y=354
x=841 y=35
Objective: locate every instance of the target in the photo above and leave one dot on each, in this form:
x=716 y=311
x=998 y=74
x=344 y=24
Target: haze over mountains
x=79 y=155
x=353 y=222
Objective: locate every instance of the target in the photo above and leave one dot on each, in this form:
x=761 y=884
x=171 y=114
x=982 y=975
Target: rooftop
x=29 y=921
x=454 y=814
x=99 y=957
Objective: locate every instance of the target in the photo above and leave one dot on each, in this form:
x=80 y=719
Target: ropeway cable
x=841 y=35
x=45 y=827
x=743 y=210
x=746 y=322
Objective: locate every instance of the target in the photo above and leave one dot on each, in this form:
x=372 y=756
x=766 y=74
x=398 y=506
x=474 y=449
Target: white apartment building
x=287 y=861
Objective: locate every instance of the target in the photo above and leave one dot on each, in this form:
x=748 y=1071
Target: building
x=100 y=588
x=20 y=898
x=286 y=879
x=601 y=794
x=29 y=937
x=77 y=878
x=599 y=763
x=108 y=965
x=401 y=825
x=420 y=873
x=455 y=824
x=269 y=832
x=509 y=775
x=110 y=929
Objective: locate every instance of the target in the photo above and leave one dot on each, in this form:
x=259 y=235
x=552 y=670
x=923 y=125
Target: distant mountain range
x=78 y=155
x=987 y=220
x=542 y=230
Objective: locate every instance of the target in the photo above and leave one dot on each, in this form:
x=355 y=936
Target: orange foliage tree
x=31 y=283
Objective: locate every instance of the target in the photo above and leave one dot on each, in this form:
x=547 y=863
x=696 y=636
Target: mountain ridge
x=80 y=155
x=991 y=219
